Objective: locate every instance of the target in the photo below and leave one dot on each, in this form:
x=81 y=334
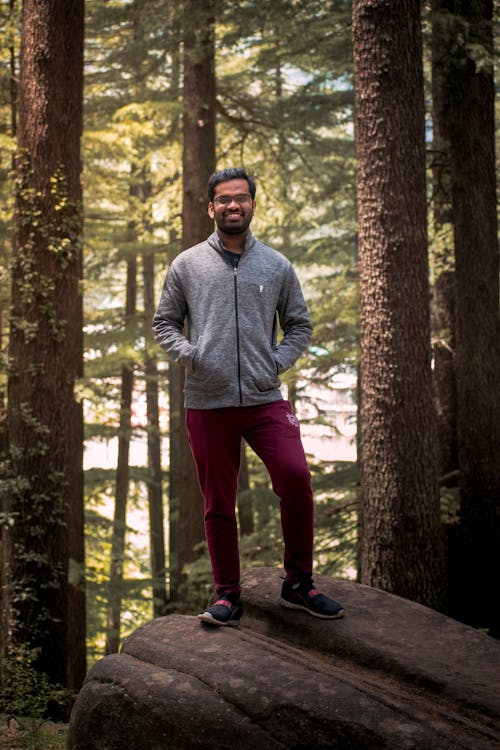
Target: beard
x=233 y=227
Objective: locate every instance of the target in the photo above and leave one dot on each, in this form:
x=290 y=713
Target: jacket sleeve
x=169 y=319
x=294 y=321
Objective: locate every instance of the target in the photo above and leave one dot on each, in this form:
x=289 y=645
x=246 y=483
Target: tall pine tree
x=45 y=354
x=401 y=548
x=186 y=504
x=474 y=215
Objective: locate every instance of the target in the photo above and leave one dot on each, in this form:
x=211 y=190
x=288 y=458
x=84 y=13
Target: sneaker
x=225 y=611
x=304 y=596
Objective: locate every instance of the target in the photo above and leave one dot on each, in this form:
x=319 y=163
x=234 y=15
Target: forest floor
x=28 y=734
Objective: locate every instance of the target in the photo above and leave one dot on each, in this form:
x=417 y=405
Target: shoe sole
x=290 y=605
x=210 y=620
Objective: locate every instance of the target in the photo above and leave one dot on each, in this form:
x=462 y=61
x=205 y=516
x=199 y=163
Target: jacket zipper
x=235 y=276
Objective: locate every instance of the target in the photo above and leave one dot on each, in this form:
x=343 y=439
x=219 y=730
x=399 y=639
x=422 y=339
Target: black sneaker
x=304 y=596
x=227 y=610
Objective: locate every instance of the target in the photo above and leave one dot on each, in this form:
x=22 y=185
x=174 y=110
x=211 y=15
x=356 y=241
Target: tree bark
x=186 y=503
x=155 y=489
x=77 y=650
x=401 y=544
x=142 y=190
x=13 y=77
x=472 y=148
x=443 y=312
x=46 y=326
x=122 y=480
x=5 y=551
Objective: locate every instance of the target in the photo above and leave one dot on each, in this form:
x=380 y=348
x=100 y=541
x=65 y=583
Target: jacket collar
x=215 y=242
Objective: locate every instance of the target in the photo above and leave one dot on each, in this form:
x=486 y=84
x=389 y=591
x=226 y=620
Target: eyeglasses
x=225 y=200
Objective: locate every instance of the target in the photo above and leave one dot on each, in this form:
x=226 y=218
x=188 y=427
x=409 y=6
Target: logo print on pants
x=292 y=419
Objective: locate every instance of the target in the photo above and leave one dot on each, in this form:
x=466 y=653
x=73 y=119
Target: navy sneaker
x=227 y=610
x=305 y=596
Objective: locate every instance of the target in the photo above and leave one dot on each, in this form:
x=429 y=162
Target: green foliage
x=37 y=575
x=285 y=100
x=336 y=486
x=28 y=735
x=50 y=224
x=136 y=585
x=27 y=692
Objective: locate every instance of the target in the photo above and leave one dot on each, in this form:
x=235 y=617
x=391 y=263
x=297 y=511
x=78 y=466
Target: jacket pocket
x=264 y=372
x=209 y=373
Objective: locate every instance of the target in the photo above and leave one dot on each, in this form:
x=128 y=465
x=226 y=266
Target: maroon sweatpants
x=273 y=431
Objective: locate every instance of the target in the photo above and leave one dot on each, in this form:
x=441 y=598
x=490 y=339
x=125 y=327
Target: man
x=230 y=289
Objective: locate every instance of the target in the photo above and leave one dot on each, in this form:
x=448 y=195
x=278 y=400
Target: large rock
x=388 y=634
x=391 y=674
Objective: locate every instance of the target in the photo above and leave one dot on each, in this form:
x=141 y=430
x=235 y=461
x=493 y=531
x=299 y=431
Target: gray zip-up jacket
x=229 y=348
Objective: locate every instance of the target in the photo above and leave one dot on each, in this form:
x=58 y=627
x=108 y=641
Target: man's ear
x=210 y=210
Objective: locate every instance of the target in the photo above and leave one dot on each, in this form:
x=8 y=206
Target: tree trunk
x=443 y=318
x=122 y=481
x=5 y=500
x=401 y=544
x=142 y=191
x=155 y=492
x=472 y=147
x=5 y=544
x=77 y=651
x=186 y=504
x=13 y=76
x=46 y=326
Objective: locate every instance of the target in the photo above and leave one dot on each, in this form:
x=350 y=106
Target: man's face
x=232 y=206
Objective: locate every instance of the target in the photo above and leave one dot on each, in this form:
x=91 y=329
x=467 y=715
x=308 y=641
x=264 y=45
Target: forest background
x=378 y=220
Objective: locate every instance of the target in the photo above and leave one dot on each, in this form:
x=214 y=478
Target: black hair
x=231 y=173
